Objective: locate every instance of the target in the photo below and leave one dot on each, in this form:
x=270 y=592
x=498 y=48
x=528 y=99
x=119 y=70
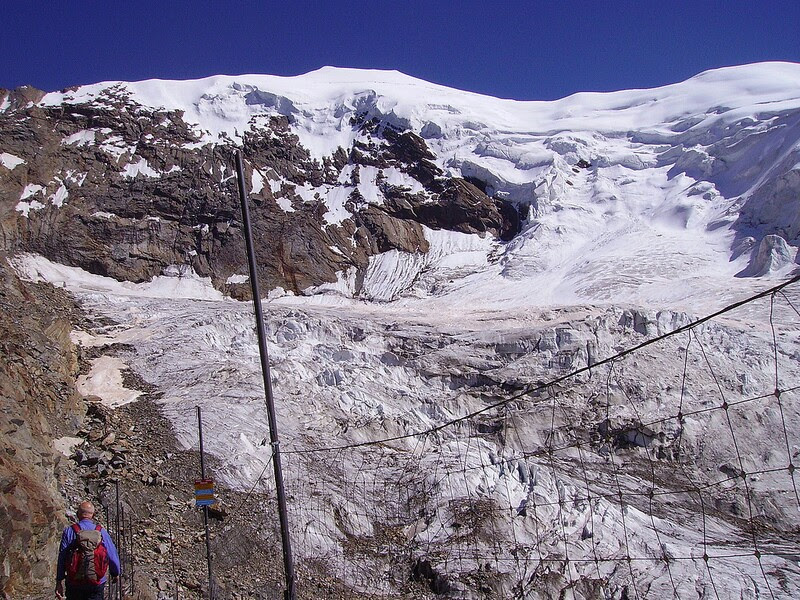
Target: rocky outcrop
x=125 y=191
x=38 y=403
x=20 y=97
x=464 y=207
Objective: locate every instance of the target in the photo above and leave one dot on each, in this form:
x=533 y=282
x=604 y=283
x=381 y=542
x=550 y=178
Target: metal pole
x=107 y=595
x=205 y=508
x=131 y=553
x=123 y=549
x=172 y=555
x=262 y=346
x=117 y=587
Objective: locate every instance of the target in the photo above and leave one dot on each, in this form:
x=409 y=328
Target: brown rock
x=40 y=404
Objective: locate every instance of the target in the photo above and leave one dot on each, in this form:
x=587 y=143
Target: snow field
x=219 y=103
x=9 y=161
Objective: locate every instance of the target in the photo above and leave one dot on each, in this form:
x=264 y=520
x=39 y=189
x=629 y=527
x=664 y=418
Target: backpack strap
x=98 y=528
x=76 y=528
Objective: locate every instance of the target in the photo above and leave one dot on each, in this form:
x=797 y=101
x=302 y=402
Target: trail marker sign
x=204 y=492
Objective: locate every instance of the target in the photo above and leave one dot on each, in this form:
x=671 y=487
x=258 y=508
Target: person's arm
x=113 y=556
x=66 y=541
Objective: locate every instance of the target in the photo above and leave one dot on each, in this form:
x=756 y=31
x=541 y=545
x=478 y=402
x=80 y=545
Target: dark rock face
x=423 y=571
x=463 y=207
x=21 y=97
x=125 y=191
x=38 y=403
x=124 y=227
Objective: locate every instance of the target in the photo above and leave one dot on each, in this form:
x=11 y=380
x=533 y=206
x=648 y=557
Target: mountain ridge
x=366 y=171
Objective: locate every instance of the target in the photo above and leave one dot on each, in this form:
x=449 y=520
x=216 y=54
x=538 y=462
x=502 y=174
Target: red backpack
x=88 y=562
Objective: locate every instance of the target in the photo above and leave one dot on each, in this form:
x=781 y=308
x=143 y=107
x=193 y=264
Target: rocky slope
x=38 y=404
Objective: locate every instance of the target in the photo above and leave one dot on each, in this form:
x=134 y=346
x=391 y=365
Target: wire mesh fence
x=666 y=470
x=121 y=528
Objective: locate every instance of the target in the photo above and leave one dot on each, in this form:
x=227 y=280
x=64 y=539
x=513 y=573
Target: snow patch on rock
x=84 y=137
x=234 y=279
x=178 y=282
x=9 y=161
x=140 y=167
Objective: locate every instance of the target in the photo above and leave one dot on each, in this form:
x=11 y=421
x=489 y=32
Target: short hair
x=85 y=509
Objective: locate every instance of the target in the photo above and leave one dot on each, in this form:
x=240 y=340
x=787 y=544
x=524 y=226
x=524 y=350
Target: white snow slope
x=642 y=208
x=672 y=169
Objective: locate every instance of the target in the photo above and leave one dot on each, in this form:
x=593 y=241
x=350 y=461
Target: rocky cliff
x=126 y=191
x=38 y=405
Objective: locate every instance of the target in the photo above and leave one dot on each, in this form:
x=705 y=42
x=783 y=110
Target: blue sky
x=523 y=50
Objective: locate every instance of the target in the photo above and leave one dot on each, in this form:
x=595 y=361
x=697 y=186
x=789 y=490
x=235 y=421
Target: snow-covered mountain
x=689 y=181
x=428 y=253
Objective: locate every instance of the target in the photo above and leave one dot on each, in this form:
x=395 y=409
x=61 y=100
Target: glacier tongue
x=551 y=492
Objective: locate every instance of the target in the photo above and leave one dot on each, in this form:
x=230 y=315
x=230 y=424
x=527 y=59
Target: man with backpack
x=85 y=558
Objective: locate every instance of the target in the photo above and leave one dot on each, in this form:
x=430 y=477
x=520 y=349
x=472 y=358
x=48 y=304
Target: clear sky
x=523 y=50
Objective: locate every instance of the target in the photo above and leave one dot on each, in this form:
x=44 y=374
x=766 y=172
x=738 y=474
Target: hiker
x=85 y=558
